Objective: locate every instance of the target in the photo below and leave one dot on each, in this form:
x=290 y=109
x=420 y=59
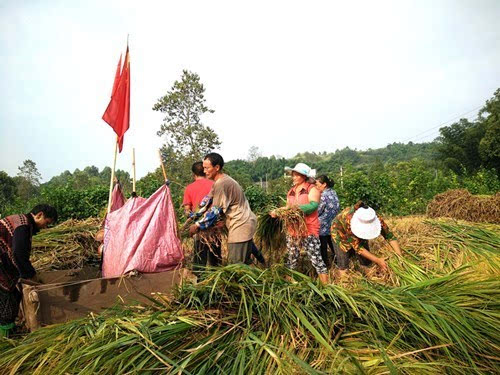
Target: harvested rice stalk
x=213 y=236
x=242 y=320
x=270 y=231
x=293 y=221
x=460 y=204
x=442 y=319
x=68 y=245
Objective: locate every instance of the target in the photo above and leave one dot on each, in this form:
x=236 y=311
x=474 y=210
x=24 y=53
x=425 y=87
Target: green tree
x=187 y=139
x=81 y=179
x=253 y=154
x=28 y=180
x=91 y=171
x=459 y=145
x=7 y=191
x=489 y=148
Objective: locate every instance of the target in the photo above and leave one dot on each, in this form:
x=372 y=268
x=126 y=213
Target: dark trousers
x=239 y=252
x=342 y=258
x=325 y=242
x=257 y=253
x=9 y=306
x=204 y=254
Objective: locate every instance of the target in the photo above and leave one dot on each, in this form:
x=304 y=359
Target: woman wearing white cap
x=306 y=196
x=352 y=229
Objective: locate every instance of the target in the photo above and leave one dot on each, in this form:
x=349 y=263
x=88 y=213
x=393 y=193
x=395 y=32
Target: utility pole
x=341 y=177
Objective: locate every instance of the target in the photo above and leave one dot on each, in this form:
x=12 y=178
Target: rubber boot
x=5 y=329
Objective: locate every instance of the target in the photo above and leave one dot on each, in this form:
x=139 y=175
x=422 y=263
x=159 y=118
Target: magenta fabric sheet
x=117 y=198
x=142 y=236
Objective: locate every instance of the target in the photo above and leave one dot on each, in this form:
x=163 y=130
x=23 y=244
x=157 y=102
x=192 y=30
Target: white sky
x=285 y=76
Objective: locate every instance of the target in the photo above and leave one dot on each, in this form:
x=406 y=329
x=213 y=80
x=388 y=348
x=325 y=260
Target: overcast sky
x=285 y=76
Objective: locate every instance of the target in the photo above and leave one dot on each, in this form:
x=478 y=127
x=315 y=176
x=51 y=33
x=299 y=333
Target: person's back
x=197 y=190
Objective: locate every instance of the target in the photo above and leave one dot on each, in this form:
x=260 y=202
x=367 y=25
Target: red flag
x=117 y=113
x=117 y=76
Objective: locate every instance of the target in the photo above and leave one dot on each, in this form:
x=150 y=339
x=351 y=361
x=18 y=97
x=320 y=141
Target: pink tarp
x=142 y=236
x=117 y=198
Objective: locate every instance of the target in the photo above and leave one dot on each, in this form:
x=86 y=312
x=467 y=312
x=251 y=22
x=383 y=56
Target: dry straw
x=69 y=245
x=460 y=204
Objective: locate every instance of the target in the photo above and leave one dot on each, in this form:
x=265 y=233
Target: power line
x=442 y=124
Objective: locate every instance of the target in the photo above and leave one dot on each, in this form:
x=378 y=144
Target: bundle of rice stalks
x=270 y=231
x=242 y=320
x=68 y=245
x=213 y=237
x=293 y=221
x=460 y=204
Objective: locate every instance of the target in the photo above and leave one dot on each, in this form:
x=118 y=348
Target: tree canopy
x=187 y=139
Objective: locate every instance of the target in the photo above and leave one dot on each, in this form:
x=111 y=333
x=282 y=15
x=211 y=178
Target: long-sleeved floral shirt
x=327 y=210
x=342 y=234
x=207 y=214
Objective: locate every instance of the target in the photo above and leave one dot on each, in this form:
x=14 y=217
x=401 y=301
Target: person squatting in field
x=16 y=232
x=306 y=196
x=352 y=229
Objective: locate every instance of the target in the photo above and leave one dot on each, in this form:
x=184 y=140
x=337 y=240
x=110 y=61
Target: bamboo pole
x=162 y=166
x=133 y=170
x=177 y=232
x=112 y=176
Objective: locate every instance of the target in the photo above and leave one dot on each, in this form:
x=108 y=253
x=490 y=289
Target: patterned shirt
x=328 y=208
x=15 y=249
x=230 y=204
x=343 y=236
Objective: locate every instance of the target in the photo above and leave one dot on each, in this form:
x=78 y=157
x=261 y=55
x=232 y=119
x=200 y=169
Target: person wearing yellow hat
x=351 y=230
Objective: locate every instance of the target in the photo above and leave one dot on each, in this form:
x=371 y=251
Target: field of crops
x=437 y=311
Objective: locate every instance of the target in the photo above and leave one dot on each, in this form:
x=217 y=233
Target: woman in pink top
x=305 y=195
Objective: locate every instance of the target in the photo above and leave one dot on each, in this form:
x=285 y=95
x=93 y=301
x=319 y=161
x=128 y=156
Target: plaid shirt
x=343 y=236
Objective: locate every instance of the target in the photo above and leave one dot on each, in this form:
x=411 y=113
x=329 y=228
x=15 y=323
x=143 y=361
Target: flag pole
x=133 y=170
x=165 y=177
x=162 y=166
x=112 y=177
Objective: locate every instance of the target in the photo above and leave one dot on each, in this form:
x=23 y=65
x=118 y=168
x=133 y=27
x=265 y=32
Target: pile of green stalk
x=243 y=320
